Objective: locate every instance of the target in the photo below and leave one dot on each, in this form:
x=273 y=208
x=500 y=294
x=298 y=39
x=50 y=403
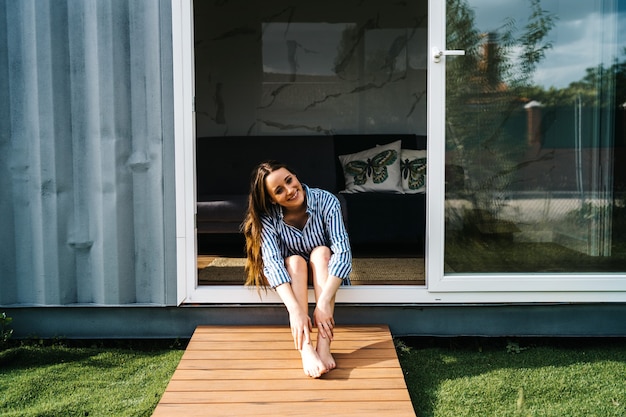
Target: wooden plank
x=282 y=336
x=270 y=409
x=283 y=384
x=285 y=396
x=286 y=353
x=283 y=345
x=292 y=373
x=281 y=363
x=275 y=337
x=255 y=371
x=281 y=329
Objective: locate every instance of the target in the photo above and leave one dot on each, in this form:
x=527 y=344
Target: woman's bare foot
x=312 y=365
x=323 y=351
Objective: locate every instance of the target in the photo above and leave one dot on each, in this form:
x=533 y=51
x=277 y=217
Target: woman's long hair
x=259 y=203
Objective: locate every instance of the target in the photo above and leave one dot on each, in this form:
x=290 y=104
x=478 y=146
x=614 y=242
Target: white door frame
x=184 y=145
x=188 y=289
x=440 y=288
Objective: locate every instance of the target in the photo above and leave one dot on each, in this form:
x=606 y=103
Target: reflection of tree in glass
x=484 y=108
x=487 y=132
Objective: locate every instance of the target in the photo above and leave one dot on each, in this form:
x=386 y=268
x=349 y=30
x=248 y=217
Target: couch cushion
x=373 y=170
x=347 y=144
x=222 y=208
x=386 y=218
x=413 y=167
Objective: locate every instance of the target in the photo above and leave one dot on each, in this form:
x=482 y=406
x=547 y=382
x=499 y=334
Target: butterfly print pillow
x=373 y=170
x=413 y=170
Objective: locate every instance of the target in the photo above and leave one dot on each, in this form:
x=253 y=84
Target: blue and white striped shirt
x=324 y=227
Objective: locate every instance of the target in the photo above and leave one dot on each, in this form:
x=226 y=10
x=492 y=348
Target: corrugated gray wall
x=86 y=153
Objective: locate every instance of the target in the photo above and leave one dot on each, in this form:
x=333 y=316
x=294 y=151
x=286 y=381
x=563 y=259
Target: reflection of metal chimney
x=490 y=63
x=533 y=122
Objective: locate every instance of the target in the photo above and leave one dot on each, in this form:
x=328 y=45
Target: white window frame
x=440 y=288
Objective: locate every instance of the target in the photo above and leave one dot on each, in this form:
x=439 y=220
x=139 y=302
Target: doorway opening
x=317 y=86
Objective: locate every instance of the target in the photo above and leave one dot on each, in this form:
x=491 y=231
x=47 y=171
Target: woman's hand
x=299 y=319
x=301 y=328
x=323 y=316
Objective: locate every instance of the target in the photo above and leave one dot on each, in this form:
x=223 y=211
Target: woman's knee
x=320 y=254
x=296 y=265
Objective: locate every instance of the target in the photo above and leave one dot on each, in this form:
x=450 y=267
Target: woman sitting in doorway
x=294 y=235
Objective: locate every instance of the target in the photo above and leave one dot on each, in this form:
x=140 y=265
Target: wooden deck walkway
x=255 y=371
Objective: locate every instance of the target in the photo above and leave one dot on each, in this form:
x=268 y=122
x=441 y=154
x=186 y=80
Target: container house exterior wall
x=86 y=153
x=87 y=193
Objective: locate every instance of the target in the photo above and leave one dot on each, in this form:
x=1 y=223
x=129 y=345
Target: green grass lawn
x=478 y=377
x=85 y=381
x=446 y=377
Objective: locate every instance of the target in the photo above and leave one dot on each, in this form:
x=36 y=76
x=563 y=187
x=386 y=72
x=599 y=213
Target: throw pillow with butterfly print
x=373 y=170
x=413 y=169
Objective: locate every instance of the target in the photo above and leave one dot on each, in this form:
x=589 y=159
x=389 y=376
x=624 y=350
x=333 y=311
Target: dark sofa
x=224 y=165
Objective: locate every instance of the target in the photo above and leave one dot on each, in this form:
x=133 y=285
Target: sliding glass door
x=521 y=103
x=535 y=190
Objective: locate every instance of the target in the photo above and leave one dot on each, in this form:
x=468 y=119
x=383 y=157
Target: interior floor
x=218 y=248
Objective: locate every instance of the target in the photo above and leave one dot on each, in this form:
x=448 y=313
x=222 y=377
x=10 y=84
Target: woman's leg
x=298 y=271
x=318 y=264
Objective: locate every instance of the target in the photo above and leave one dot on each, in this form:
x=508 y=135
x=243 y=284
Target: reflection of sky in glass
x=586 y=34
x=301 y=48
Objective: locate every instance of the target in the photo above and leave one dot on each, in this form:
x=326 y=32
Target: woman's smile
x=294 y=195
x=284 y=188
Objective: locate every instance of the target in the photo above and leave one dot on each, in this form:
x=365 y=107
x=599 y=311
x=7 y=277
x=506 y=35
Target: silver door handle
x=438 y=53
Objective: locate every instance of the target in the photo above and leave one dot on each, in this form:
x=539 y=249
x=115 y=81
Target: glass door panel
x=534 y=137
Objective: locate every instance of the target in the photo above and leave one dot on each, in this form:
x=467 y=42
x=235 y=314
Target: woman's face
x=284 y=188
